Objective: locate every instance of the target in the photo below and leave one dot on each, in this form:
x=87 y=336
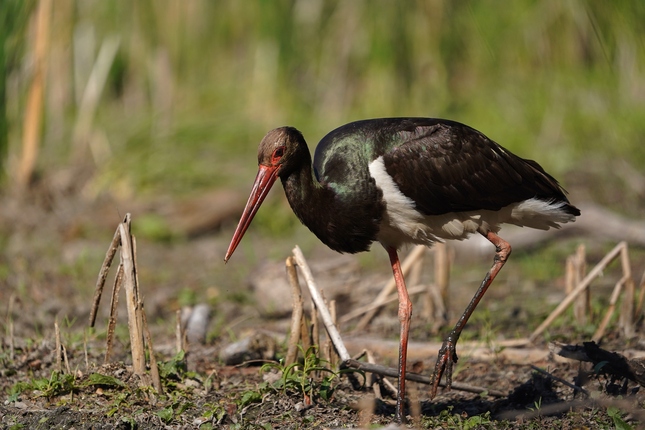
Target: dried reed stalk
x=132 y=299
x=296 y=315
x=91 y=95
x=626 y=318
x=618 y=250
x=57 y=350
x=154 y=369
x=576 y=270
x=320 y=305
x=641 y=295
x=179 y=344
x=32 y=123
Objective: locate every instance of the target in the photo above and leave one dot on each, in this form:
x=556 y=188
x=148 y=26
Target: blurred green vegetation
x=194 y=85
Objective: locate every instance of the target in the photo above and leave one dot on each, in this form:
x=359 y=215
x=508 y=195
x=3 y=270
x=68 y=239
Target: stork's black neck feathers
x=341 y=223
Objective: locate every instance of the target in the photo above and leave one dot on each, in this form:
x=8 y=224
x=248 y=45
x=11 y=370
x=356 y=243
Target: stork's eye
x=277 y=154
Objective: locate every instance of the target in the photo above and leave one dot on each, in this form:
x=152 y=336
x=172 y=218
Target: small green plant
x=537 y=404
x=176 y=409
x=56 y=385
x=214 y=412
x=616 y=416
x=175 y=367
x=448 y=419
x=120 y=399
x=301 y=377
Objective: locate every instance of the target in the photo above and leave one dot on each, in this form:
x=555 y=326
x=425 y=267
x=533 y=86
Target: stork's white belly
x=402 y=223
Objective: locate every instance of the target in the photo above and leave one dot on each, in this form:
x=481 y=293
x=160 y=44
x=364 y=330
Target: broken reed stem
x=332 y=357
x=584 y=284
x=416 y=253
x=600 y=331
x=315 y=331
x=59 y=365
x=105 y=267
x=178 y=332
x=12 y=342
x=116 y=287
x=154 y=369
x=626 y=317
x=126 y=276
x=324 y=313
x=373 y=379
x=305 y=336
x=582 y=303
x=296 y=315
x=132 y=299
x=138 y=297
x=641 y=295
x=87 y=360
x=436 y=300
x=65 y=360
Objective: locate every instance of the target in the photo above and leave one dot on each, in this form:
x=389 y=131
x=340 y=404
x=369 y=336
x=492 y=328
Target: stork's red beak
x=263 y=182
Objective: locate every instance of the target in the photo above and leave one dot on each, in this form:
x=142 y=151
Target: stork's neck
x=305 y=194
x=345 y=223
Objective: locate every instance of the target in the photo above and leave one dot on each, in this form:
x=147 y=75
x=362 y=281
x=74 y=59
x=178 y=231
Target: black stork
x=407 y=180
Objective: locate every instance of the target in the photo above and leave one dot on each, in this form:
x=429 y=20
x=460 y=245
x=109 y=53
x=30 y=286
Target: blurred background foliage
x=172 y=97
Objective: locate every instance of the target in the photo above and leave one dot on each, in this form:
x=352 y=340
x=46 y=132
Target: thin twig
x=392 y=372
x=560 y=380
x=116 y=287
x=100 y=282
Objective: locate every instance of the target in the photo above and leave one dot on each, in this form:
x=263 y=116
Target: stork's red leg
x=448 y=353
x=405 y=313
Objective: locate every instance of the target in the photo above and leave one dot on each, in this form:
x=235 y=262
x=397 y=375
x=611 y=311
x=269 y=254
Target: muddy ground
x=54 y=244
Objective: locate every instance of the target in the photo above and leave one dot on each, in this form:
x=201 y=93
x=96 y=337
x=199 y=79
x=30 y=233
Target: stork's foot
x=445 y=360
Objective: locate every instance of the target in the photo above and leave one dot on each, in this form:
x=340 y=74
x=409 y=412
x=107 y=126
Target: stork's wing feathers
x=449 y=167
